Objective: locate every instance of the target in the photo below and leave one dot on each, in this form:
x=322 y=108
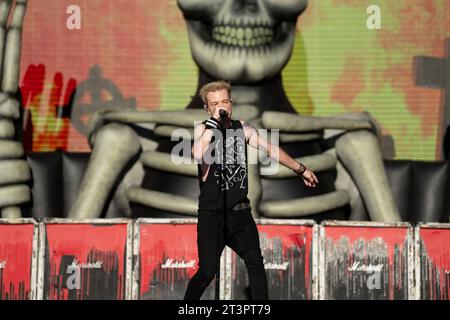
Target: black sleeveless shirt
x=233 y=181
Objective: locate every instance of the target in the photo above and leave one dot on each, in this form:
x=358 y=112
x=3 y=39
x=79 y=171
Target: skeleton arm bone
x=114 y=146
x=276 y=153
x=297 y=123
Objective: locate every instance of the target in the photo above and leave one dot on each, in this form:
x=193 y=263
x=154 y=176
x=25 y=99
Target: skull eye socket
x=243 y=6
x=199 y=9
x=287 y=10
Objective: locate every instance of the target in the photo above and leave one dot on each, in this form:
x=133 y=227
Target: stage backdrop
x=136 y=53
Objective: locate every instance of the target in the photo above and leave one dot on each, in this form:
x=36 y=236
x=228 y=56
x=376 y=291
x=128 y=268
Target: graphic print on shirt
x=235 y=166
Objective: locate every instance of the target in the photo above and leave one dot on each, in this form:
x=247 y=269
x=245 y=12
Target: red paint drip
x=16 y=250
x=79 y=240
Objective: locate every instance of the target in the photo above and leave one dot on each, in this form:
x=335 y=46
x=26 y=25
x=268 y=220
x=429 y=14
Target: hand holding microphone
x=223 y=114
x=220 y=113
x=218 y=118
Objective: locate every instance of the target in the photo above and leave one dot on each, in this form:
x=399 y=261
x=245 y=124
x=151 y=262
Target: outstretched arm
x=255 y=140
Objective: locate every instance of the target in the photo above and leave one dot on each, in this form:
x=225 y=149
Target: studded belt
x=241 y=206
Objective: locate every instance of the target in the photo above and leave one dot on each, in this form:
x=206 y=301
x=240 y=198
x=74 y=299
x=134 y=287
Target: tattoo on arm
x=249 y=130
x=253 y=139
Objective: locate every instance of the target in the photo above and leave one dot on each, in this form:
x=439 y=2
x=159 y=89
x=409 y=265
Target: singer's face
x=217 y=100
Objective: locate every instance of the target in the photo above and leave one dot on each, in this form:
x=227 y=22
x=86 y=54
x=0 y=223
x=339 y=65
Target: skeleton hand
x=14 y=170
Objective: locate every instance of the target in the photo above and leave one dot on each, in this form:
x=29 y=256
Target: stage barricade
x=85 y=259
x=432 y=261
x=155 y=259
x=165 y=259
x=290 y=258
x=18 y=259
x=366 y=260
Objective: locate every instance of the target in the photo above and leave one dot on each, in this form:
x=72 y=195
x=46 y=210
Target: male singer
x=228 y=185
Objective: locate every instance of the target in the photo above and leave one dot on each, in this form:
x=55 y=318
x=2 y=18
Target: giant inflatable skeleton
x=247 y=42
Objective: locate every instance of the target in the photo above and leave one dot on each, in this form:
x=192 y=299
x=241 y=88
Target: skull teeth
x=242 y=36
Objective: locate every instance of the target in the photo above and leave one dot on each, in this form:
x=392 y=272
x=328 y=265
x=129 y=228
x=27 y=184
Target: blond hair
x=213 y=86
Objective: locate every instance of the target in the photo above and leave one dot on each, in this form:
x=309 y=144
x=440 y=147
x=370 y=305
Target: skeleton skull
x=253 y=39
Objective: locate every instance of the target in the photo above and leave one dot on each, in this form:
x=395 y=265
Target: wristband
x=300 y=169
x=212 y=123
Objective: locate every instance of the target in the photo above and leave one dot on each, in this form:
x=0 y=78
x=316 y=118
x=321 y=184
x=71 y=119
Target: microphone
x=223 y=113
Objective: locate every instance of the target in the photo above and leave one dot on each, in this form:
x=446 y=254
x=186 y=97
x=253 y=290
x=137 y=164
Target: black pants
x=241 y=235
